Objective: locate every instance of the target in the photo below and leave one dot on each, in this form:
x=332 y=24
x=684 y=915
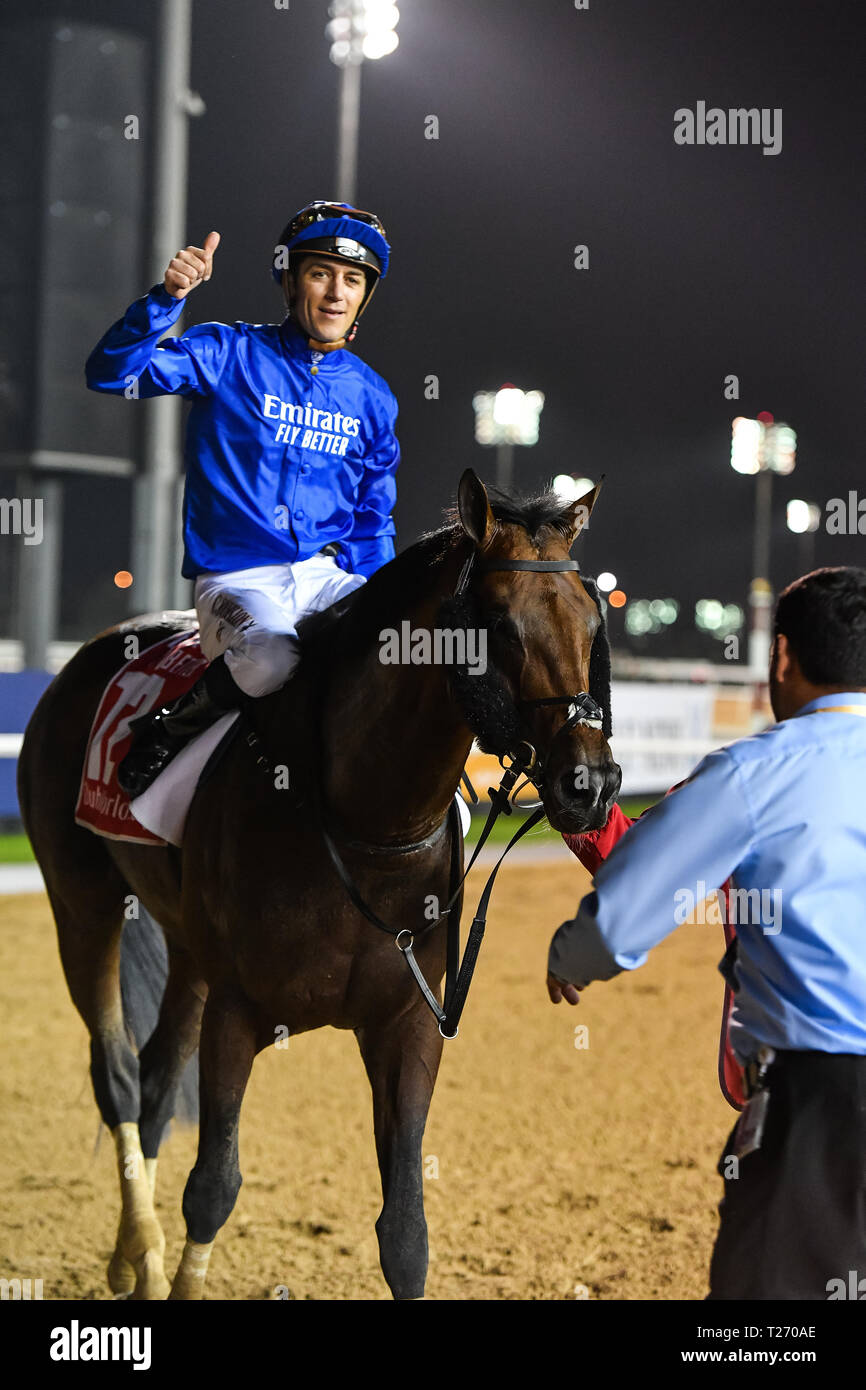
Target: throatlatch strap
x=500 y=799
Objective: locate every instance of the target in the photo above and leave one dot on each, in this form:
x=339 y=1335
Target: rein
x=458 y=974
x=583 y=709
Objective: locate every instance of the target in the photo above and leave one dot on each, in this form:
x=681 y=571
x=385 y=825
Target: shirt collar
x=842 y=697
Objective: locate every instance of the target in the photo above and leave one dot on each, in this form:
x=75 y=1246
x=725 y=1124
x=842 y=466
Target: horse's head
x=544 y=696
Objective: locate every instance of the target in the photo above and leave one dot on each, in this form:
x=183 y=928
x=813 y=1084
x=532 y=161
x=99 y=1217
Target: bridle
x=583 y=709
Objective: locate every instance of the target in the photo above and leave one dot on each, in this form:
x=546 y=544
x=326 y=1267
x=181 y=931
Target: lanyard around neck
x=841 y=709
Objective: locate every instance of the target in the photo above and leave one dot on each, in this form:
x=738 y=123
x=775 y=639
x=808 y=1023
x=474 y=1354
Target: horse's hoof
x=121 y=1275
x=151 y=1285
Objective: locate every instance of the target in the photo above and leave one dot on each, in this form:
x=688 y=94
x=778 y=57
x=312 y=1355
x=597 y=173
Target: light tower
x=358 y=29
x=507 y=417
x=762 y=447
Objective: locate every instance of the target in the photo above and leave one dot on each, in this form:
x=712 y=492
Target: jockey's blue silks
x=287 y=449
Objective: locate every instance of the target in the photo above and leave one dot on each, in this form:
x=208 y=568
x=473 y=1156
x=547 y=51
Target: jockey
x=290 y=453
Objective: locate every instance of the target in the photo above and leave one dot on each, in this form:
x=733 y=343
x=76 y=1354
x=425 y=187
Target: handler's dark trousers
x=795 y=1218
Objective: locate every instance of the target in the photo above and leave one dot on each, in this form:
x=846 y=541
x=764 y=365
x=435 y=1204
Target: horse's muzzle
x=580 y=799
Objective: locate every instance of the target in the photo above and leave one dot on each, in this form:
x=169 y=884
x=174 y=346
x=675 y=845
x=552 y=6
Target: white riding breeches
x=251 y=615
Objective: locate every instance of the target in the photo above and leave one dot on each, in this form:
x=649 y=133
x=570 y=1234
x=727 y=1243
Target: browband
x=485 y=567
x=533 y=565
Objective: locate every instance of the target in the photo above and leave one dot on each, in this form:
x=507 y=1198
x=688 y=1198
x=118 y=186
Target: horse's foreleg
x=121 y=1274
x=226 y=1053
x=402 y=1059
x=138 y=1258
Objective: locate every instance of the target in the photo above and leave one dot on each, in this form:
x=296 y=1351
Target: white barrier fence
x=660 y=732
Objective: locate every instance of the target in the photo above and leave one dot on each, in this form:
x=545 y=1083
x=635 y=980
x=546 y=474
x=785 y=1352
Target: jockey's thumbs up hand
x=211 y=242
x=190 y=267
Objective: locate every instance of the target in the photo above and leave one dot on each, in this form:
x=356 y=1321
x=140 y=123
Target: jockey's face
x=327 y=293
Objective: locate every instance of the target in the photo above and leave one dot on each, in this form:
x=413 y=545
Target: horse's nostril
x=580 y=787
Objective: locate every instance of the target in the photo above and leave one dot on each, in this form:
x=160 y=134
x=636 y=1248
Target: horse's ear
x=473 y=505
x=581 y=510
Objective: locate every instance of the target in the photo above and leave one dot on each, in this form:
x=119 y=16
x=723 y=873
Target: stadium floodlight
x=569 y=488
x=380 y=22
x=719 y=619
x=515 y=415
x=780 y=448
x=746 y=438
x=757 y=446
x=638 y=620
x=802 y=517
x=664 y=610
x=357 y=29
x=504 y=418
x=360 y=29
x=649 y=615
x=762 y=447
x=606 y=581
x=709 y=614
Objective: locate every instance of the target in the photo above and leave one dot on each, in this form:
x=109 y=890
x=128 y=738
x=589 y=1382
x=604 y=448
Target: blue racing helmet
x=335 y=229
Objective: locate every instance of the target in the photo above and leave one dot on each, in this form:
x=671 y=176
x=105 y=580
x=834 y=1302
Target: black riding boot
x=161 y=733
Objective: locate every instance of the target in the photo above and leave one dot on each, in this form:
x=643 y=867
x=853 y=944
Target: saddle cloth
x=158 y=676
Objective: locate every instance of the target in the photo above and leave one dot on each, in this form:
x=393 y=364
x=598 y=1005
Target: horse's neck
x=394 y=741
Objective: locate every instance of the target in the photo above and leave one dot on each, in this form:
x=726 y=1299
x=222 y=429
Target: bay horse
x=262 y=939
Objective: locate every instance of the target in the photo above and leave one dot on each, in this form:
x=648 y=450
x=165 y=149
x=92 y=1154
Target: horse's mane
x=350 y=621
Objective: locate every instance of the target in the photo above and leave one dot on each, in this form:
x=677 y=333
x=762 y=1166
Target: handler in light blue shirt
x=783 y=814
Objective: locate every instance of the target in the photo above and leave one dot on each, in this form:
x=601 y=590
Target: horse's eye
x=501 y=626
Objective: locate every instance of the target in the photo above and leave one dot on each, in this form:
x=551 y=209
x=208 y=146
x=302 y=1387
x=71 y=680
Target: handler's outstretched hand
x=190 y=267
x=561 y=989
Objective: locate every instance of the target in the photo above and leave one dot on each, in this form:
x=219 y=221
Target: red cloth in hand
x=593 y=848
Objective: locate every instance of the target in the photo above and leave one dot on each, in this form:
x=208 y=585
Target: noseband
x=582 y=708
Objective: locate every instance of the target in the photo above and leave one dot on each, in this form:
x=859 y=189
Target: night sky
x=556 y=129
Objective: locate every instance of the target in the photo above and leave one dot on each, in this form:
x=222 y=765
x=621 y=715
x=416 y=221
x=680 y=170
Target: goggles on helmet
x=336 y=229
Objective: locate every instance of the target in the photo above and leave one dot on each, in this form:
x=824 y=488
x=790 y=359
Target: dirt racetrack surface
x=563 y=1171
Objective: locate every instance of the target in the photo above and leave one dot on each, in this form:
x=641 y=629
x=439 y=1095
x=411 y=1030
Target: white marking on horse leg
x=141 y=1242
x=192 y=1270
x=150 y=1170
x=121 y=1275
